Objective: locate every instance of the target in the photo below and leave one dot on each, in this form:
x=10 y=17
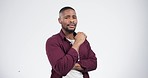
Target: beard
x=69 y=30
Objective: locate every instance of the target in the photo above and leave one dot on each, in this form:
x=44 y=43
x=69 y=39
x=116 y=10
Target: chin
x=71 y=31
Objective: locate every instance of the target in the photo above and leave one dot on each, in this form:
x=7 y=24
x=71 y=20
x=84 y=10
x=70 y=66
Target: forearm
x=60 y=62
x=64 y=65
x=88 y=64
x=76 y=46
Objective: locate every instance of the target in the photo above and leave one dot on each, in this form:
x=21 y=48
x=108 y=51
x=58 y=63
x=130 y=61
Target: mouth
x=71 y=25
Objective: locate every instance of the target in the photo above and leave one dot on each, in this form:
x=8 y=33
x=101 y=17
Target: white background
x=116 y=29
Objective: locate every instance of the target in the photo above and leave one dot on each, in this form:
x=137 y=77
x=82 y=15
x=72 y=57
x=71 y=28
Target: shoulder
x=86 y=42
x=53 y=39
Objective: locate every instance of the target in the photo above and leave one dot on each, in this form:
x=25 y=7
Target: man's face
x=68 y=20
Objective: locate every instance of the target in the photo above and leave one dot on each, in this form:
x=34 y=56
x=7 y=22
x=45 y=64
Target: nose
x=71 y=20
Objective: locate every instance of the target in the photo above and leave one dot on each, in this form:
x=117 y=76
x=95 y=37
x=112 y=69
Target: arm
x=60 y=62
x=90 y=63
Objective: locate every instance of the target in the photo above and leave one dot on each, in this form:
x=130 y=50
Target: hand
x=80 y=38
x=77 y=67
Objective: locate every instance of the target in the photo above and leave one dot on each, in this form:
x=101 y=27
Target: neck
x=68 y=35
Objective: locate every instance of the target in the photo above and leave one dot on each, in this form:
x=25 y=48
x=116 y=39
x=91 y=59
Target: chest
x=83 y=50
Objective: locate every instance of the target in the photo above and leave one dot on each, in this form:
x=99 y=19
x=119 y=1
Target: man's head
x=68 y=19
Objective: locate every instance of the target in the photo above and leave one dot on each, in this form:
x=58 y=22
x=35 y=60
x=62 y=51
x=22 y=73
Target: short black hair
x=65 y=8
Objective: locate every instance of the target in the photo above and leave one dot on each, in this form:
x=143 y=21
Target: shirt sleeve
x=90 y=63
x=61 y=63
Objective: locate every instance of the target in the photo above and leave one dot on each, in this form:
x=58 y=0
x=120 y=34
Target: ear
x=59 y=19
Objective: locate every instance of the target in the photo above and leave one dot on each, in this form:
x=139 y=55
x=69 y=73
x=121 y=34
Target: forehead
x=69 y=12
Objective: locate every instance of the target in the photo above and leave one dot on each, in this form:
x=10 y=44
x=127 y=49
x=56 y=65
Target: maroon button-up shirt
x=63 y=57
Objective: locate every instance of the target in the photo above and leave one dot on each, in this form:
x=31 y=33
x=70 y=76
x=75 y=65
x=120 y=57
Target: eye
x=67 y=17
x=74 y=17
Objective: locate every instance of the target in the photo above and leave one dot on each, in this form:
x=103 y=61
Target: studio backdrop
x=116 y=29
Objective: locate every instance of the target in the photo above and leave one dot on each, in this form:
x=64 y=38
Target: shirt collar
x=63 y=35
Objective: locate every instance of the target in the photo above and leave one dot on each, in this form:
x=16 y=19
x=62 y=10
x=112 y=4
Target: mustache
x=73 y=24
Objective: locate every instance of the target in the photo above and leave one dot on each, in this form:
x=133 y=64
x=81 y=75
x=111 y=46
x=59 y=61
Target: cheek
x=65 y=22
x=75 y=21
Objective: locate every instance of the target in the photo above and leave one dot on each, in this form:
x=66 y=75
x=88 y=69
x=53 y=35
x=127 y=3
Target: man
x=69 y=53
